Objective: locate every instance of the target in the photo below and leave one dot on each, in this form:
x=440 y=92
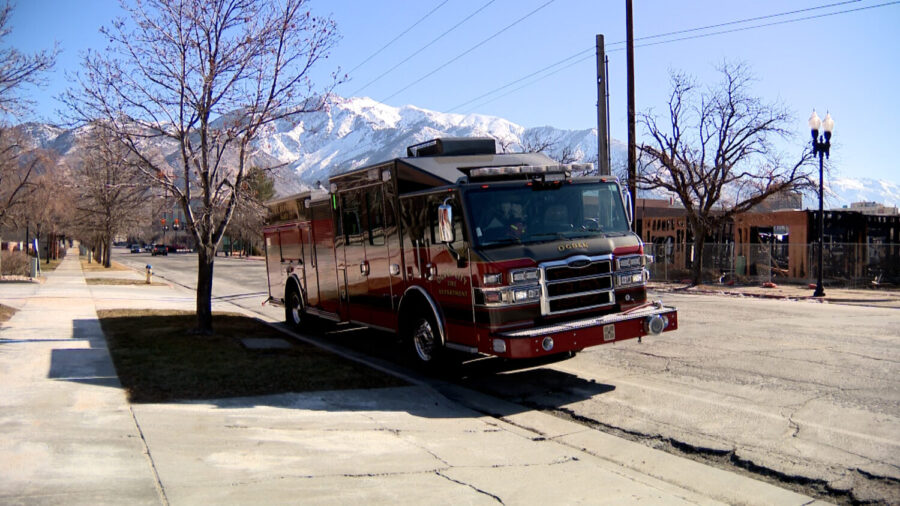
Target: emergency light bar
x=564 y=170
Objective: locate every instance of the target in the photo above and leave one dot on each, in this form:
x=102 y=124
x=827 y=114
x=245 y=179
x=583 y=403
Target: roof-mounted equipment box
x=453 y=146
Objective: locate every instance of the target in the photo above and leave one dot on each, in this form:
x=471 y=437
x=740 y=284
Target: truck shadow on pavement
x=521 y=384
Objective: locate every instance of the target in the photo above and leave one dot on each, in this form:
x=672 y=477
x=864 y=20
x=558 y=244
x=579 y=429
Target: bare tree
x=111 y=195
x=542 y=141
x=537 y=141
x=250 y=213
x=16 y=71
x=15 y=172
x=207 y=75
x=567 y=154
x=503 y=143
x=715 y=152
x=48 y=205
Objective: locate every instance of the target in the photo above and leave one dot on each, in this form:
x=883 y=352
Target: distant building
x=858 y=245
x=874 y=209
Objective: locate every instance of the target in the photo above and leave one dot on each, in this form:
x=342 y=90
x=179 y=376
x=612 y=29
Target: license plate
x=609 y=332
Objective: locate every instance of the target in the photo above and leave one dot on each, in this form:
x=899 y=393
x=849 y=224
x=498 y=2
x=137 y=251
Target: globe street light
x=821 y=146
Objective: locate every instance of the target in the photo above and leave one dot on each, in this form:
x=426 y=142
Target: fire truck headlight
x=499 y=346
x=493 y=297
x=526 y=294
x=525 y=276
x=629 y=262
x=630 y=278
x=494 y=278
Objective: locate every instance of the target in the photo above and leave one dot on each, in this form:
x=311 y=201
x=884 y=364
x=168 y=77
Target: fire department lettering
x=572 y=245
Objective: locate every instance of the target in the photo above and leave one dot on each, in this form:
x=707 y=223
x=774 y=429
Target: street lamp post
x=822 y=147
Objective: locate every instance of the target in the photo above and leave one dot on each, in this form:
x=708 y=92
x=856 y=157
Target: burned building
x=860 y=249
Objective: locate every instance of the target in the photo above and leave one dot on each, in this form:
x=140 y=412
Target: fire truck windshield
x=505 y=214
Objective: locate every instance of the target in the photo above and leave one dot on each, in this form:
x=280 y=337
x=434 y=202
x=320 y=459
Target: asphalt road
x=800 y=393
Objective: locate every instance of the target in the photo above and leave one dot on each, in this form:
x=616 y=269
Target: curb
x=734 y=293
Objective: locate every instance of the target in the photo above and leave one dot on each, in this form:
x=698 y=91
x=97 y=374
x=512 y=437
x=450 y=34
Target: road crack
x=473 y=487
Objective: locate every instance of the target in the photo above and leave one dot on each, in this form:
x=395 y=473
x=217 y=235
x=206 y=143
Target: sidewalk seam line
x=156 y=481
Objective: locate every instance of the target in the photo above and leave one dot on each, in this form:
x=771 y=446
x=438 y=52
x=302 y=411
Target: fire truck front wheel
x=423 y=340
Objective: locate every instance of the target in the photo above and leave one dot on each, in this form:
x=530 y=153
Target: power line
x=373 y=55
x=454 y=27
x=510 y=92
x=775 y=23
x=747 y=20
x=476 y=46
x=806 y=18
x=520 y=79
x=648 y=37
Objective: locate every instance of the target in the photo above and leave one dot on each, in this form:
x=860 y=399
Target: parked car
x=135 y=248
x=159 y=249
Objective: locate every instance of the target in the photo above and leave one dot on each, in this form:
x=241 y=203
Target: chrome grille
x=576 y=283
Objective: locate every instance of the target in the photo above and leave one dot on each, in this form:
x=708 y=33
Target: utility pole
x=602 y=116
x=629 y=50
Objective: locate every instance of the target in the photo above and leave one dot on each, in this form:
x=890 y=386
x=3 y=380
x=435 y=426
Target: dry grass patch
x=98 y=267
x=121 y=281
x=6 y=313
x=51 y=265
x=158 y=359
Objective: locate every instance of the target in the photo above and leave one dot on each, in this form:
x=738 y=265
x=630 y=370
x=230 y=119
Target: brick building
x=778 y=243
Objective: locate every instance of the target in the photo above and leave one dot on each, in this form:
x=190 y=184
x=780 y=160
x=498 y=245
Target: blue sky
x=846 y=63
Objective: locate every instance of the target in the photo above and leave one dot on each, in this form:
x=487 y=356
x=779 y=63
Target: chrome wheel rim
x=423 y=339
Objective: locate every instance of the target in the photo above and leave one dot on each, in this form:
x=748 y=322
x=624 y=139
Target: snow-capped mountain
x=353 y=132
x=847 y=190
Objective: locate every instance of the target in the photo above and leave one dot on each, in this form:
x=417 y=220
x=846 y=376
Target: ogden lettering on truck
x=458 y=247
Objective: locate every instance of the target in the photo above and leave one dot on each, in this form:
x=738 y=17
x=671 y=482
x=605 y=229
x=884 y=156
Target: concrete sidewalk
x=70 y=436
x=67 y=433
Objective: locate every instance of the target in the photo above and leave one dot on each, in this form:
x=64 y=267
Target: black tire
x=293 y=308
x=422 y=339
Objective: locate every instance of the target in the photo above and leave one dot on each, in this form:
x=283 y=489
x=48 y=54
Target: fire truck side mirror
x=626 y=198
x=445 y=223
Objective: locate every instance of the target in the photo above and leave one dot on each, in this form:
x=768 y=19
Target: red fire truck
x=459 y=247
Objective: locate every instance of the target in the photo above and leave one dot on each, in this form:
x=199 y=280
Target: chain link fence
x=846 y=265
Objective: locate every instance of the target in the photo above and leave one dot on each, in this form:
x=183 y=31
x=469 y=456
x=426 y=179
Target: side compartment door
x=291 y=253
x=380 y=279
x=311 y=278
x=326 y=269
x=353 y=260
x=273 y=265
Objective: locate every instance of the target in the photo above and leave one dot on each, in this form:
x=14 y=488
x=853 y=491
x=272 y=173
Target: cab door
x=448 y=272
